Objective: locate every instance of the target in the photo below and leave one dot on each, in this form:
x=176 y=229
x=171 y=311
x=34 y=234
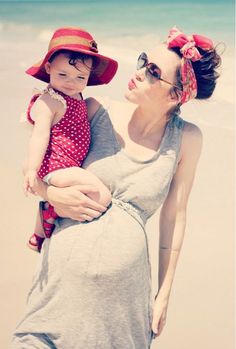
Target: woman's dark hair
x=205 y=71
x=73 y=56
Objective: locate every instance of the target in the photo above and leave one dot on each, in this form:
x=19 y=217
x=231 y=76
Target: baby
x=61 y=130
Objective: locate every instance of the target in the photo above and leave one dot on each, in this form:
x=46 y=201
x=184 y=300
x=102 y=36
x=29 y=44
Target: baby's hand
x=29 y=182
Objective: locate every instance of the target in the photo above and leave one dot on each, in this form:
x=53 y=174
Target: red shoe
x=35 y=242
x=48 y=217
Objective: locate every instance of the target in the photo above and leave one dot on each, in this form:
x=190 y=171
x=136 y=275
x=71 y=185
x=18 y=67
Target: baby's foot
x=48 y=217
x=35 y=242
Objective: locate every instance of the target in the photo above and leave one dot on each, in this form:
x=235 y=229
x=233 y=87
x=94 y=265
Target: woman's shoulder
x=191 y=138
x=97 y=113
x=113 y=108
x=93 y=106
x=191 y=130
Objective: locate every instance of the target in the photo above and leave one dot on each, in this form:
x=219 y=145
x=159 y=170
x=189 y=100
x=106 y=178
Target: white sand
x=200 y=312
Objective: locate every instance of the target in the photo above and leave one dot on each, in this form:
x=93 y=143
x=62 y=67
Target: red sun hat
x=78 y=40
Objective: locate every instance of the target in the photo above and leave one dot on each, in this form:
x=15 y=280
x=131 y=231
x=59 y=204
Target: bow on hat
x=190 y=53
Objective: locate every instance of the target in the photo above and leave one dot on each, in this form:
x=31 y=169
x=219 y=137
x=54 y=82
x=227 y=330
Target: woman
x=92 y=289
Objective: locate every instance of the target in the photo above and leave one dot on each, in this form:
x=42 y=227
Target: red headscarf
x=188 y=48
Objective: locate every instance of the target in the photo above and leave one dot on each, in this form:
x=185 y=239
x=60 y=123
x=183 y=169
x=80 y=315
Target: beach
x=201 y=309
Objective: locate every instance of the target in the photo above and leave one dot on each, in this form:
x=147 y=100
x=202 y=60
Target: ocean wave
x=125 y=49
x=15 y=28
x=109 y=33
x=45 y=35
x=28 y=43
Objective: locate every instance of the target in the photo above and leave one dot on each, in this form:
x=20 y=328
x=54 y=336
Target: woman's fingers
x=69 y=214
x=88 y=214
x=155 y=325
x=74 y=196
x=161 y=325
x=88 y=202
x=159 y=320
x=93 y=205
x=74 y=203
x=78 y=213
x=92 y=213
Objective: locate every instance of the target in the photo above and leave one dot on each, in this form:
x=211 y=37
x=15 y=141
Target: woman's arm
x=78 y=176
x=92 y=107
x=173 y=221
x=71 y=202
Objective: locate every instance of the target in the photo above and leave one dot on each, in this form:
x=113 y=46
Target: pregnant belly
x=93 y=286
x=113 y=244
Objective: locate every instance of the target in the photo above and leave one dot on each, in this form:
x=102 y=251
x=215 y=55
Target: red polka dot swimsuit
x=69 y=138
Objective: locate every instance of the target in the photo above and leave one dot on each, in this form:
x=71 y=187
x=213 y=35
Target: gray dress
x=92 y=288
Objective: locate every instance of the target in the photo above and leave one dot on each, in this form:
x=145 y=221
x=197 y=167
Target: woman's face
x=146 y=88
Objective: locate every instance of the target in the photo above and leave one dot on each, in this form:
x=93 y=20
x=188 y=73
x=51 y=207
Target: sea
x=122 y=29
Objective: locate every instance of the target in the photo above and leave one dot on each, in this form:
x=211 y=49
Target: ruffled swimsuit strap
x=32 y=101
x=54 y=94
x=57 y=95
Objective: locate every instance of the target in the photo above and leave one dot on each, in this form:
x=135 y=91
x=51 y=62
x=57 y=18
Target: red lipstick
x=131 y=84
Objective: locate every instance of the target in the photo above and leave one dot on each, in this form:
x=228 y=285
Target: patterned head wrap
x=190 y=53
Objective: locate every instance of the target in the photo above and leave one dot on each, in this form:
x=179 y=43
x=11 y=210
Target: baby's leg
x=77 y=175
x=36 y=240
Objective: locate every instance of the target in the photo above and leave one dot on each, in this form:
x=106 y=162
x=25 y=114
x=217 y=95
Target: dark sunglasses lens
x=155 y=71
x=142 y=61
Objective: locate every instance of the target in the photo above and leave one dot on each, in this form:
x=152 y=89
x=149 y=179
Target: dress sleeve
x=103 y=142
x=99 y=117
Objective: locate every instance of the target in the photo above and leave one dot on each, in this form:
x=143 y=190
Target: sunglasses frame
x=148 y=66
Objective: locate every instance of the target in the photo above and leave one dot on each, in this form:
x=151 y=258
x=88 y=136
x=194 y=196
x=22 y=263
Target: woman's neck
x=147 y=122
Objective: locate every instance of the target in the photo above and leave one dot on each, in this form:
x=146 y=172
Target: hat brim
x=102 y=74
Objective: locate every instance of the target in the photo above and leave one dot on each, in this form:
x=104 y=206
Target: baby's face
x=66 y=78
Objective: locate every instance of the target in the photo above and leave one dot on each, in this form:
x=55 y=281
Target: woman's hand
x=73 y=202
x=159 y=316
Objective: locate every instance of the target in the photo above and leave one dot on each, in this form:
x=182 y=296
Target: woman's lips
x=131 y=84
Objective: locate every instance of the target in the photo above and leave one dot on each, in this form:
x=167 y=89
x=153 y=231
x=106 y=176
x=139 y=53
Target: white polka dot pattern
x=69 y=138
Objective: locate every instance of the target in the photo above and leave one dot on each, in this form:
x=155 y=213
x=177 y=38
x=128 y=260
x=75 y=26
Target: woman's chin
x=129 y=95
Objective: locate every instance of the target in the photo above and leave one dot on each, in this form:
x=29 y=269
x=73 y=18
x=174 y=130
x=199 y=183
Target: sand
x=201 y=309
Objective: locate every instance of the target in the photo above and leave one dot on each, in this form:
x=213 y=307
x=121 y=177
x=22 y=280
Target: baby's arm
x=43 y=112
x=77 y=175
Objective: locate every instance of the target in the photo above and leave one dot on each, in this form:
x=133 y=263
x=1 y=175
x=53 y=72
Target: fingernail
x=154 y=335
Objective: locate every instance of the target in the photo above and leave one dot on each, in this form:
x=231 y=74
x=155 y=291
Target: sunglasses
x=153 y=72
